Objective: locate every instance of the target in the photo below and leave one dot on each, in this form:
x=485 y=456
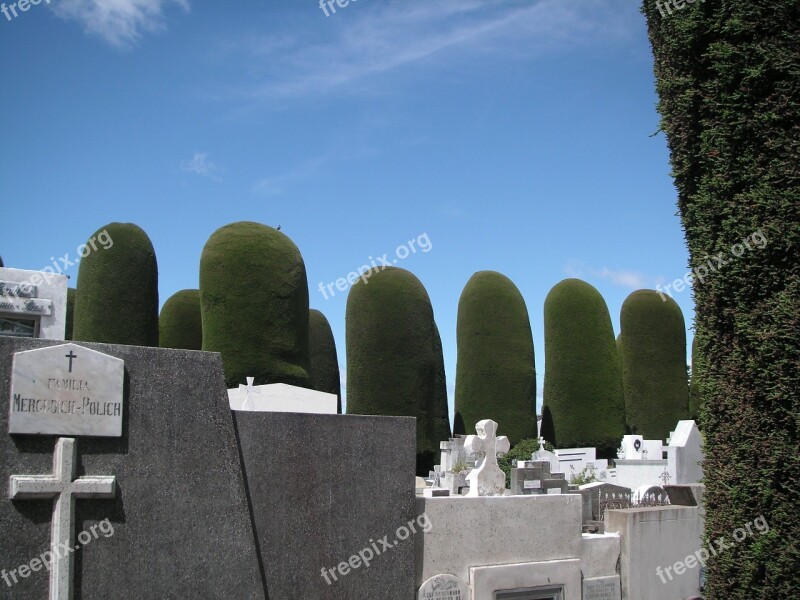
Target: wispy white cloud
x=369 y=40
x=275 y=185
x=200 y=165
x=621 y=277
x=119 y=22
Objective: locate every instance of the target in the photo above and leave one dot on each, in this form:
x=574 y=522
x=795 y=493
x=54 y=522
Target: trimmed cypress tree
x=391 y=354
x=547 y=429
x=582 y=378
x=729 y=88
x=495 y=371
x=70 y=314
x=117 y=294
x=695 y=393
x=180 y=324
x=653 y=341
x=323 y=359
x=441 y=412
x=254 y=304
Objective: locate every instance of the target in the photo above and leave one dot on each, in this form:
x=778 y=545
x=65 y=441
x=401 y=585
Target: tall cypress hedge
x=254 y=304
x=495 y=372
x=582 y=377
x=440 y=416
x=695 y=393
x=728 y=79
x=653 y=343
x=391 y=354
x=117 y=293
x=180 y=324
x=324 y=361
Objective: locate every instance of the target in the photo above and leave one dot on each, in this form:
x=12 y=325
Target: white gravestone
x=487 y=479
x=33 y=304
x=444 y=587
x=66 y=390
x=64 y=488
x=280 y=397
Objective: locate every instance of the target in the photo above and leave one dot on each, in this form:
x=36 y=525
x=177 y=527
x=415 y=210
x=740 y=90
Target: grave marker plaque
x=66 y=390
x=602 y=588
x=444 y=587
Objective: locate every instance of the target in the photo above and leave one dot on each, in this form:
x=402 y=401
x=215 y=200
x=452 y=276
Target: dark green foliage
x=254 y=302
x=653 y=343
x=180 y=324
x=547 y=429
x=582 y=378
x=1 y=262
x=440 y=416
x=391 y=354
x=728 y=79
x=117 y=294
x=324 y=360
x=523 y=450
x=695 y=396
x=495 y=372
x=70 y=314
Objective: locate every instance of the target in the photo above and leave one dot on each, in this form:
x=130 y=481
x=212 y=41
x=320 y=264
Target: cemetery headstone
x=137 y=444
x=33 y=304
x=487 y=479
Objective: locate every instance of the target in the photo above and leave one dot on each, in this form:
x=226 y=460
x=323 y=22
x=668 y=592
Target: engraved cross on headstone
x=71 y=356
x=64 y=488
x=487 y=479
x=249 y=389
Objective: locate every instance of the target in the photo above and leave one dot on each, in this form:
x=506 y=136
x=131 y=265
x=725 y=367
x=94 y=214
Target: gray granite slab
x=178 y=525
x=327 y=491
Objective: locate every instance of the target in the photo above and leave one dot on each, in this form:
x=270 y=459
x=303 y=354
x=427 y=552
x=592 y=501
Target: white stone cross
x=249 y=389
x=541 y=443
x=487 y=479
x=62 y=486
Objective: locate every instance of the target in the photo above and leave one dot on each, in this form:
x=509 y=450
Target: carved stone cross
x=249 y=389
x=487 y=479
x=64 y=488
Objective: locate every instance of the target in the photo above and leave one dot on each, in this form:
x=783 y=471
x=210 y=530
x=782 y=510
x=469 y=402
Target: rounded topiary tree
x=254 y=304
x=582 y=378
x=70 y=320
x=653 y=341
x=495 y=372
x=117 y=294
x=440 y=416
x=180 y=324
x=323 y=359
x=391 y=354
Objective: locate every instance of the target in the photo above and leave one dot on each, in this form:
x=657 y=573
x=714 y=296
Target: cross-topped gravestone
x=487 y=479
x=62 y=486
x=249 y=389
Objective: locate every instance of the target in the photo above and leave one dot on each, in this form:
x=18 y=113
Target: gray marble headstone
x=444 y=587
x=178 y=524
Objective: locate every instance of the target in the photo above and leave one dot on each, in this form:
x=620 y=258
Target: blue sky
x=515 y=134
